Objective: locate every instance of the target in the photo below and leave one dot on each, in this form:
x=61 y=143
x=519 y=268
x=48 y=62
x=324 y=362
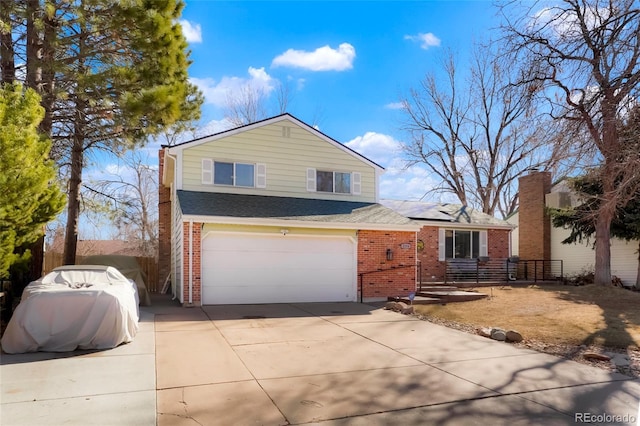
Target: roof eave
x=258 y=221
x=443 y=224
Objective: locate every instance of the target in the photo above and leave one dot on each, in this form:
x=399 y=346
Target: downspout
x=190 y=262
x=174 y=256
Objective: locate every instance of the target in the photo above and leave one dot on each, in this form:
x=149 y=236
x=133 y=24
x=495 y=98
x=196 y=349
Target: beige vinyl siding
x=578 y=258
x=211 y=227
x=176 y=249
x=286 y=158
x=514 y=219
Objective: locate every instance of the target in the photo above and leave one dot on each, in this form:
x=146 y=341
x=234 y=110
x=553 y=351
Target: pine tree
x=110 y=73
x=29 y=194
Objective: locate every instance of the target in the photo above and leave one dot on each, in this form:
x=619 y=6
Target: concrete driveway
x=337 y=364
x=355 y=364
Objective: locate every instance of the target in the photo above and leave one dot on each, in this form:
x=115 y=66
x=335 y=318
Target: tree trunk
x=48 y=74
x=37 y=259
x=73 y=208
x=609 y=174
x=33 y=46
x=7 y=61
x=603 y=249
x=638 y=274
x=75 y=180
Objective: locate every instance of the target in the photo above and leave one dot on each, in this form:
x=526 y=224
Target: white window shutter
x=261 y=175
x=356 y=183
x=483 y=244
x=311 y=180
x=441 y=244
x=207 y=171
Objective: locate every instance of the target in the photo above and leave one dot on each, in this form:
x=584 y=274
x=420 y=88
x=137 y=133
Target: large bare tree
x=251 y=103
x=584 y=61
x=477 y=133
x=129 y=190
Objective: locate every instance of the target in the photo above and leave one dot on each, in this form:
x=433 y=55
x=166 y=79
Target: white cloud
x=426 y=40
x=322 y=59
x=398 y=182
x=394 y=105
x=565 y=23
x=212 y=127
x=218 y=92
x=192 y=31
x=377 y=147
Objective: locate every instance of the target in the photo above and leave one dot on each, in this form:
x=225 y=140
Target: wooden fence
x=149 y=266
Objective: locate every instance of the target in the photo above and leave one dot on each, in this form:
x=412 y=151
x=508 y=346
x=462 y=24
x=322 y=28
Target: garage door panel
x=299 y=277
x=246 y=268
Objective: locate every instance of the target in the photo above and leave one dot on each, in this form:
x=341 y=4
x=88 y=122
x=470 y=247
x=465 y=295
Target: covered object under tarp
x=74 y=307
x=129 y=267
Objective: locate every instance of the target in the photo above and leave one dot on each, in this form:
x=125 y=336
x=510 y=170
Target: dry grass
x=555 y=314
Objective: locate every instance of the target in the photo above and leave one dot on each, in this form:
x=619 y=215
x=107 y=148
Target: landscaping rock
x=392 y=306
x=484 y=332
x=596 y=356
x=403 y=308
x=498 y=334
x=620 y=360
x=513 y=336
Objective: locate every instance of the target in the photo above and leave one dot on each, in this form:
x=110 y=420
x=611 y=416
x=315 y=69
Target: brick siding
x=196 y=288
x=433 y=270
x=382 y=278
x=534 y=222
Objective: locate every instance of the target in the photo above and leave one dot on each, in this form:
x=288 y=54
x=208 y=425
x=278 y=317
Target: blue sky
x=347 y=64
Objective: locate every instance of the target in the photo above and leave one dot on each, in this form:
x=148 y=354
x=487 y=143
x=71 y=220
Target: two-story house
x=277 y=211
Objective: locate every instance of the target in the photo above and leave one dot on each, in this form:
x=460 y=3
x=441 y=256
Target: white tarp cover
x=129 y=267
x=74 y=307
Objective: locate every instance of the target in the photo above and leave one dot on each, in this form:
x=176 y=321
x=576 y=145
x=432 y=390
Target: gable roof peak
x=265 y=122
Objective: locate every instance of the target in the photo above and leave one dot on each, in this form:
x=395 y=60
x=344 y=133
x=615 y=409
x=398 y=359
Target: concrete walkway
x=335 y=364
x=111 y=387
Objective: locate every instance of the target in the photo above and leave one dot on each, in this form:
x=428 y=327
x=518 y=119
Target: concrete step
x=440 y=296
x=437 y=287
x=453 y=295
x=418 y=300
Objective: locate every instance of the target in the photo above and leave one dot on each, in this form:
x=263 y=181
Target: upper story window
x=234 y=174
x=462 y=244
x=334 y=182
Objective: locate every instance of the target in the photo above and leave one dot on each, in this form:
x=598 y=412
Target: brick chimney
x=164 y=225
x=534 y=222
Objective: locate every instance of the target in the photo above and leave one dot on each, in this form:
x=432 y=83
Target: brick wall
x=534 y=223
x=433 y=270
x=164 y=225
x=384 y=278
x=498 y=243
x=196 y=287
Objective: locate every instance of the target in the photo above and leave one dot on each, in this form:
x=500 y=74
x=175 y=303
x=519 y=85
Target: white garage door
x=250 y=268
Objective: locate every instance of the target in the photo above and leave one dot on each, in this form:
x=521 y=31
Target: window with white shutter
x=334 y=182
x=207 y=171
x=356 y=183
x=261 y=175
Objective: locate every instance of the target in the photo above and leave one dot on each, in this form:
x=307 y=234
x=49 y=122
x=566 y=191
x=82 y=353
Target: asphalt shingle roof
x=287 y=208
